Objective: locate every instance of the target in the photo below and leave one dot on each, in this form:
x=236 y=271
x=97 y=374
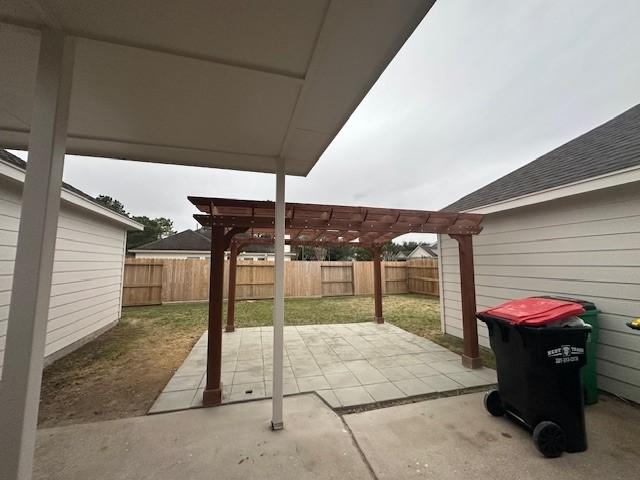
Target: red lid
x=535 y=311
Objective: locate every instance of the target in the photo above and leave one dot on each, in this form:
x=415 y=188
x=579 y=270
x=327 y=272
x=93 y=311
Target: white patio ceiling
x=228 y=84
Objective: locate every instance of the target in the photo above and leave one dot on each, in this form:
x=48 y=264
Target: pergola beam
x=351 y=226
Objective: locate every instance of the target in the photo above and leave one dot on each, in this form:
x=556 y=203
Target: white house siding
x=87 y=273
x=586 y=246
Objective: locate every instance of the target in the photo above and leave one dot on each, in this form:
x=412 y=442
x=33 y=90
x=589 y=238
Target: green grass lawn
x=414 y=313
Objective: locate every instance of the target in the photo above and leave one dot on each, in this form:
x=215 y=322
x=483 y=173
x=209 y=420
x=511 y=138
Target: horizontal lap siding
x=587 y=246
x=87 y=273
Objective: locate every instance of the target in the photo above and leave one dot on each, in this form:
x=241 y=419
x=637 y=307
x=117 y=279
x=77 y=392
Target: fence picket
x=155 y=281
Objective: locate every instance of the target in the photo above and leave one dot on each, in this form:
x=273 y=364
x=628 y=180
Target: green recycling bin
x=589 y=376
x=588 y=373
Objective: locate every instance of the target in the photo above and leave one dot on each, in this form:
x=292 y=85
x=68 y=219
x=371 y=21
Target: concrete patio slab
x=454 y=438
x=447 y=438
x=348 y=360
x=230 y=442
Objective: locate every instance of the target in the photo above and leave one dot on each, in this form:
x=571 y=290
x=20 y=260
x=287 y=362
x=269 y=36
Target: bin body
x=538 y=372
x=589 y=375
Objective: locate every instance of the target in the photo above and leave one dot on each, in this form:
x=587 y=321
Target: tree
x=320 y=253
x=154 y=229
x=112 y=204
x=362 y=254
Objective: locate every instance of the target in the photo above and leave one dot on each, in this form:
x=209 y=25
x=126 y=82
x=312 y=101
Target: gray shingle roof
x=186 y=240
x=613 y=146
x=22 y=165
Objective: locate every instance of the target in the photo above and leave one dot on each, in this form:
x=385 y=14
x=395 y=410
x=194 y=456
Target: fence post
x=353 y=279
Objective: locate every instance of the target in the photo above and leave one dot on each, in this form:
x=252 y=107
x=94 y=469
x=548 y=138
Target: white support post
x=278 y=299
x=28 y=313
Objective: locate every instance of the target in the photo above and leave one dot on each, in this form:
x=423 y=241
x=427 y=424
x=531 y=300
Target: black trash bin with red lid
x=539 y=347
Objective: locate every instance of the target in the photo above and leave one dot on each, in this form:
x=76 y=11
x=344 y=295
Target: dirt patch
x=117 y=375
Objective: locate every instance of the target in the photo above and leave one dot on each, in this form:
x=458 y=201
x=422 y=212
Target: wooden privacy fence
x=422 y=276
x=142 y=283
x=155 y=281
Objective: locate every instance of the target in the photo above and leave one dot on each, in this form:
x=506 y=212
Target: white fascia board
x=12 y=172
x=607 y=180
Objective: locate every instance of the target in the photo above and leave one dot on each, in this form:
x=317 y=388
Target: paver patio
x=348 y=365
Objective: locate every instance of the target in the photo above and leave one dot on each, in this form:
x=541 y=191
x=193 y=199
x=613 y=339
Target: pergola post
x=29 y=309
x=377 y=283
x=278 y=298
x=213 y=390
x=231 y=295
x=471 y=352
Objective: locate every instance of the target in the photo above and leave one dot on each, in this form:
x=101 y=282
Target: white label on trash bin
x=565 y=354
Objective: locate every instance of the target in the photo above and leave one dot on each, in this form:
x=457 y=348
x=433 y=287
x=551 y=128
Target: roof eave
x=16 y=174
x=607 y=180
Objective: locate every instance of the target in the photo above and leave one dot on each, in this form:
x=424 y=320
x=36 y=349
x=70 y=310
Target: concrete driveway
x=454 y=438
x=447 y=438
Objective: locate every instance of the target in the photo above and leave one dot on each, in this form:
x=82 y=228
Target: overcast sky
x=481 y=88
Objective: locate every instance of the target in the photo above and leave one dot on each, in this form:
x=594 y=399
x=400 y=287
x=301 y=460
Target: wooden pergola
x=238 y=223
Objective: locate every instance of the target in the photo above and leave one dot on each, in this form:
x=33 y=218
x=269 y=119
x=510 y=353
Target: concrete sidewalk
x=447 y=438
x=229 y=442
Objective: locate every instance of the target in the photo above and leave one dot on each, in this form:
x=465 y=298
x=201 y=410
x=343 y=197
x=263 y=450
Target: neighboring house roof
x=187 y=240
x=611 y=147
x=193 y=241
x=15 y=168
x=396 y=256
x=422 y=251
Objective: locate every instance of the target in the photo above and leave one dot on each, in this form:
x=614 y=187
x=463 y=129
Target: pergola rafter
x=328 y=218
x=240 y=223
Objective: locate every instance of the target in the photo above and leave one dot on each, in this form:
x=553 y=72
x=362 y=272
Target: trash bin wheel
x=493 y=403
x=550 y=439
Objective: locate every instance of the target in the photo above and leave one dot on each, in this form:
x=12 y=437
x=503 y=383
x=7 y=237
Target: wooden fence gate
x=422 y=276
x=142 y=283
x=336 y=278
